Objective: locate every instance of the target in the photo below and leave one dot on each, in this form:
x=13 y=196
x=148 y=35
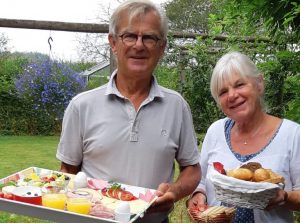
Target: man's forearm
x=66 y=168
x=186 y=182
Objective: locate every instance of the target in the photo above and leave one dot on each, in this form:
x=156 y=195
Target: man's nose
x=139 y=42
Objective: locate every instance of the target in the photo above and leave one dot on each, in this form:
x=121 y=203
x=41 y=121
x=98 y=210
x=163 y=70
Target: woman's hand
x=196 y=201
x=280 y=199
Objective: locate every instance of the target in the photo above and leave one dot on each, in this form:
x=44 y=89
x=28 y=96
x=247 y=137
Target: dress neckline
x=229 y=123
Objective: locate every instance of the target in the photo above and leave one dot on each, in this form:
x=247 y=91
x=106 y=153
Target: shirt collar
x=155 y=90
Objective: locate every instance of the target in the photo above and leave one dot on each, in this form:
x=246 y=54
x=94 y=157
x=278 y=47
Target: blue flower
x=49 y=85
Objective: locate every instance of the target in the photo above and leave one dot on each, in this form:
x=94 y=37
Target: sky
x=64 y=44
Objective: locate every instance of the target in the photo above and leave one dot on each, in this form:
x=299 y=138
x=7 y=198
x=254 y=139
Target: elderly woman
x=247 y=134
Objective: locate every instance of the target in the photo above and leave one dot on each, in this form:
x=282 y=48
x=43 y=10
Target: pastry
x=241 y=173
x=252 y=166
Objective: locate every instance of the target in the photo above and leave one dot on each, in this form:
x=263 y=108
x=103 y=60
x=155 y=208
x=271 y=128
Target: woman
x=247 y=134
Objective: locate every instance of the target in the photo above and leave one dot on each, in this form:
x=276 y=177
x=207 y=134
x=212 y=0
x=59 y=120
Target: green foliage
x=281 y=18
x=12 y=110
x=80 y=66
x=196 y=84
x=232 y=19
x=188 y=15
x=194 y=60
x=168 y=77
x=296 y=217
x=281 y=70
x=17 y=116
x=293 y=105
x=10 y=66
x=274 y=96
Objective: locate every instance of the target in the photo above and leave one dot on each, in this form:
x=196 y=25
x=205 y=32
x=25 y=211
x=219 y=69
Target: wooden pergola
x=102 y=28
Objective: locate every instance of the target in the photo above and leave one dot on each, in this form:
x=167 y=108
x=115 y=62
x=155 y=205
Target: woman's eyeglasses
x=149 y=41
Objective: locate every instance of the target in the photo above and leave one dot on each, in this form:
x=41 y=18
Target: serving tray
x=63 y=216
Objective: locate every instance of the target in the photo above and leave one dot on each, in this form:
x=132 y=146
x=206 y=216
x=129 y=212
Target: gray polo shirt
x=102 y=130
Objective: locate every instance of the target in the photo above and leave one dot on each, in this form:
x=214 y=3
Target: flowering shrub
x=49 y=86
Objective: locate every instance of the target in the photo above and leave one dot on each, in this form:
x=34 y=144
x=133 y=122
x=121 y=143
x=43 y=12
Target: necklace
x=245 y=141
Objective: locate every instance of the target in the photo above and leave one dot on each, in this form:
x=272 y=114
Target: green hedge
x=18 y=118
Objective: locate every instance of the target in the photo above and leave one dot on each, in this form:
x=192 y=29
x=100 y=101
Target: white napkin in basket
x=242 y=186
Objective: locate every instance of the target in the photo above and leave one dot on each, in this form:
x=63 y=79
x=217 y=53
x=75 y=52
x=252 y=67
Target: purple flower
x=49 y=85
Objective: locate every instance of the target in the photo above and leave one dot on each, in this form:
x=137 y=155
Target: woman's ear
x=260 y=84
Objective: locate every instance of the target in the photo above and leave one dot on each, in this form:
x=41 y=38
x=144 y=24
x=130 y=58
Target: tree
x=279 y=17
x=94 y=47
x=187 y=15
x=3 y=43
x=231 y=18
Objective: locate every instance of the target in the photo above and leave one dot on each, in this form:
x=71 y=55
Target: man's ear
x=162 y=48
x=112 y=43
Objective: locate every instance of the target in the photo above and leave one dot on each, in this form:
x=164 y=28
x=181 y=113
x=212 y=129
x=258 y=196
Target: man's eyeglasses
x=149 y=41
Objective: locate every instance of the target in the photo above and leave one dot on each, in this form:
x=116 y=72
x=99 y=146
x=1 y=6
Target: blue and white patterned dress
x=243 y=215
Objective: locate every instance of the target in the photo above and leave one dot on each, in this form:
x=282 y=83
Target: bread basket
x=242 y=193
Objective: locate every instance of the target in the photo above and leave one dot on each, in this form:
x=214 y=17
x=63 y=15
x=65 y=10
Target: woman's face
x=239 y=97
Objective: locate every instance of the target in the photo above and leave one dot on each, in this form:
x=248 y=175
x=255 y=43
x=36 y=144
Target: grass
x=21 y=152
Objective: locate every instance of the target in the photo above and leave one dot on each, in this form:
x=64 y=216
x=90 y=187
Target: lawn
x=20 y=152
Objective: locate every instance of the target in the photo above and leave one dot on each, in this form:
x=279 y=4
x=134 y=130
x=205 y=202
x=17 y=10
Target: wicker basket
x=243 y=193
x=213 y=215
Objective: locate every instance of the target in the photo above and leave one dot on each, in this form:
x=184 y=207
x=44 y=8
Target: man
x=131 y=130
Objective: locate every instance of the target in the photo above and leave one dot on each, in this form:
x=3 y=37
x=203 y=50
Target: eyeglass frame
x=136 y=37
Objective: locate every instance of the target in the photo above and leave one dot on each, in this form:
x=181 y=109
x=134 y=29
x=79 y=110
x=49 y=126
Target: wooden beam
x=103 y=28
x=54 y=25
x=218 y=37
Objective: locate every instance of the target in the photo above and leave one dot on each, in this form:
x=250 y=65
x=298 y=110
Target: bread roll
x=240 y=173
x=252 y=166
x=274 y=177
x=261 y=175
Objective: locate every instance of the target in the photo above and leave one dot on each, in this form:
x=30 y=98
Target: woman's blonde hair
x=228 y=65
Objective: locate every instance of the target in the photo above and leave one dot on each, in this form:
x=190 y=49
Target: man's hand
x=185 y=184
x=166 y=199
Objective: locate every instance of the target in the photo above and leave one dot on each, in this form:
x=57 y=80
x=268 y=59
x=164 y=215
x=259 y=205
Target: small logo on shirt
x=164 y=132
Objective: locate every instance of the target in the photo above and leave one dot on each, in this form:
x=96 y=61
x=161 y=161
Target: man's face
x=140 y=57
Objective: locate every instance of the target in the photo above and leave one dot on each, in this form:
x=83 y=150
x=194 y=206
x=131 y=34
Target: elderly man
x=132 y=130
